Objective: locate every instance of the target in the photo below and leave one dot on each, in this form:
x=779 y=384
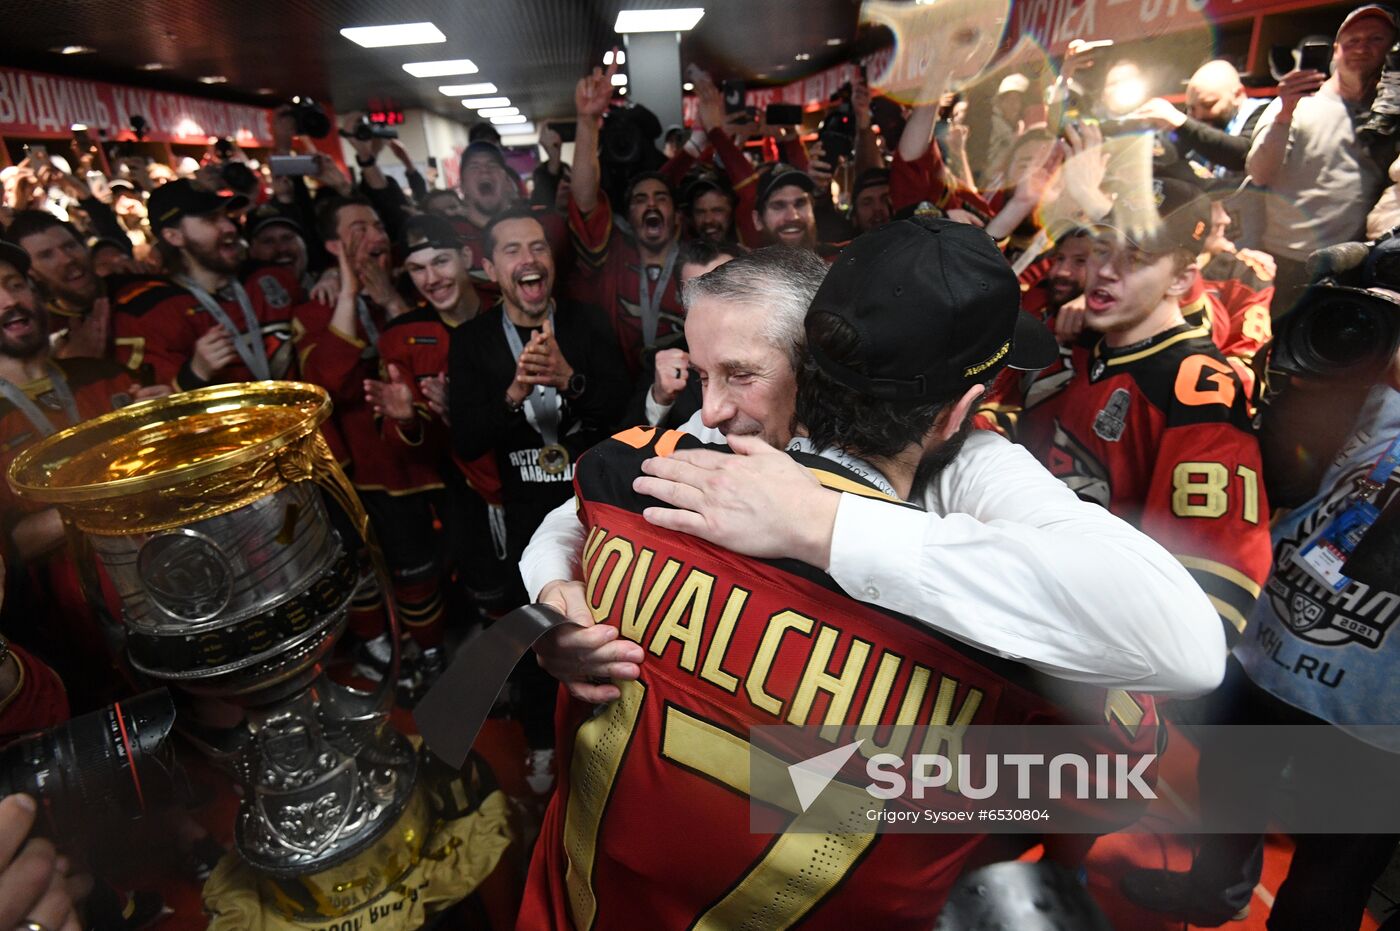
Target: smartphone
x=783 y=114
x=734 y=92
x=38 y=154
x=432 y=161
x=1316 y=56
x=285 y=165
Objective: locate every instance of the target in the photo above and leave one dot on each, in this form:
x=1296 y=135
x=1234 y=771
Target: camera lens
x=1344 y=333
x=111 y=764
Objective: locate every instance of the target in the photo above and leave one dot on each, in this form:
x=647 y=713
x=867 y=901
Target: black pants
x=1331 y=875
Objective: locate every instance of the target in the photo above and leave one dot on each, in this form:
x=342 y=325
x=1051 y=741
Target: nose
x=9 y=300
x=716 y=406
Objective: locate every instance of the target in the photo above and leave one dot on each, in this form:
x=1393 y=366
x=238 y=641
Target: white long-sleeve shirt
x=1006 y=558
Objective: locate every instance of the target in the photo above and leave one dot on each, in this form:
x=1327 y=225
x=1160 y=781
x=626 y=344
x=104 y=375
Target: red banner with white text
x=36 y=104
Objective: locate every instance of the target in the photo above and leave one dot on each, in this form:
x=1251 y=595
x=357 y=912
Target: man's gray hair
x=777 y=282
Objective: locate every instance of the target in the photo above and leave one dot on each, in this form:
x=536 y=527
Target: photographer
x=1319 y=649
x=1307 y=154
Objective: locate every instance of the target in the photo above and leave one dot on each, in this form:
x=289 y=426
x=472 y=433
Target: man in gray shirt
x=1321 y=179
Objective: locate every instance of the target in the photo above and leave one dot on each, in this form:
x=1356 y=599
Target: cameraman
x=1307 y=154
x=1314 y=654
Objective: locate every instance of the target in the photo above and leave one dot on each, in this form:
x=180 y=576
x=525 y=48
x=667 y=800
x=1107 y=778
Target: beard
x=213 y=258
x=937 y=459
x=31 y=344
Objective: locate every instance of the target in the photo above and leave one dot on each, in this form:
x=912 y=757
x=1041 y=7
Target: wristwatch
x=514 y=407
x=575 y=386
x=365 y=162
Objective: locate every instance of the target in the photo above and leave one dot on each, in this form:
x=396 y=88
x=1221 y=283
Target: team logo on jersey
x=1097 y=369
x=1078 y=468
x=1360 y=613
x=273 y=292
x=1110 y=422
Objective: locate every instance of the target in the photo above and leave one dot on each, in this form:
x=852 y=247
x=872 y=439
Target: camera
x=223 y=149
x=310 y=118
x=110 y=765
x=837 y=132
x=365 y=130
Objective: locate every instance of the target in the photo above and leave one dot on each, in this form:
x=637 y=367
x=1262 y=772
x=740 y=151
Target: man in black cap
x=202 y=325
x=1150 y=420
x=276 y=238
x=871 y=206
x=902 y=336
x=709 y=207
x=784 y=210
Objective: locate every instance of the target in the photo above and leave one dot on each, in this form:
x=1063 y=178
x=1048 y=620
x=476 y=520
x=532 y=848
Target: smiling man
x=204 y=325
x=66 y=276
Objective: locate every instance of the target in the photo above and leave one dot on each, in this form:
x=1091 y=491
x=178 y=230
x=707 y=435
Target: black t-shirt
x=480 y=369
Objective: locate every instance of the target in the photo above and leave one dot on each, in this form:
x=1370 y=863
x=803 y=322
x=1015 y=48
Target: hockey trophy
x=208 y=511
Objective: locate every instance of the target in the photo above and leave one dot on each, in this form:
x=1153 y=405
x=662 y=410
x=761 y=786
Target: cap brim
x=12 y=254
x=1033 y=346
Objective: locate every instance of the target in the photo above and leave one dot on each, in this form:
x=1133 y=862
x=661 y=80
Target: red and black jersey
x=157 y=321
x=649 y=827
x=1234 y=311
x=1158 y=433
x=609 y=276
x=99 y=386
x=418 y=342
x=341 y=362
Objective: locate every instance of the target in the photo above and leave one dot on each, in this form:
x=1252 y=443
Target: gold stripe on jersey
x=842 y=483
x=599 y=747
x=1150 y=350
x=1228 y=573
x=1229 y=612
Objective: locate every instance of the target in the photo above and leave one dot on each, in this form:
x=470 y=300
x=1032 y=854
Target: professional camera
x=365 y=130
x=310 y=118
x=108 y=766
x=1326 y=354
x=837 y=132
x=627 y=147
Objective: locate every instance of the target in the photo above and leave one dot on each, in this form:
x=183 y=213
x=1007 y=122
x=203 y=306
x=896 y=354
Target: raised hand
x=392 y=398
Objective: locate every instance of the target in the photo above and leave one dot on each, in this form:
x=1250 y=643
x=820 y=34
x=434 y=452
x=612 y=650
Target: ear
x=1183 y=280
x=959 y=412
x=757 y=220
x=173 y=236
x=467 y=256
x=490 y=268
x=333 y=246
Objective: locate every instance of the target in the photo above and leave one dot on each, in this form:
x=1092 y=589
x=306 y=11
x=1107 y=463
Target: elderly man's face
x=749 y=386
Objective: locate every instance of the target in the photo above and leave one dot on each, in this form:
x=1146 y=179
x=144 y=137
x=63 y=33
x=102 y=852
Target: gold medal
x=554 y=459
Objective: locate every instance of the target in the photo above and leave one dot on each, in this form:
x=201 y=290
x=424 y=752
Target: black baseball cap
x=14 y=254
x=871 y=177
x=936 y=309
x=266 y=215
x=703 y=182
x=781 y=175
x=428 y=231
x=1170 y=215
x=180 y=198
x=484 y=147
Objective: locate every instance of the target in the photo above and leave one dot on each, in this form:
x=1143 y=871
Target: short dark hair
x=518 y=212
x=441 y=192
x=637 y=179
x=703 y=252
x=32 y=222
x=328 y=214
x=838 y=416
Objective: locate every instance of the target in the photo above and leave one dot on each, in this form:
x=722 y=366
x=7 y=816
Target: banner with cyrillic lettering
x=36 y=104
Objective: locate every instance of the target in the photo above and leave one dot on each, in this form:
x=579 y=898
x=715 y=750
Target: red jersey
x=341 y=362
x=418 y=342
x=610 y=276
x=1235 y=311
x=1158 y=433
x=157 y=321
x=650 y=829
x=38 y=701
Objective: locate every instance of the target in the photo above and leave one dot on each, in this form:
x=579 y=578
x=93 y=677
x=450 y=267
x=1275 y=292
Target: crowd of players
x=478 y=342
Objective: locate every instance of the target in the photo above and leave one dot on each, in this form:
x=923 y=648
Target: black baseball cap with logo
x=270 y=214
x=871 y=177
x=177 y=199
x=782 y=175
x=935 y=308
x=14 y=254
x=428 y=231
x=1168 y=216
